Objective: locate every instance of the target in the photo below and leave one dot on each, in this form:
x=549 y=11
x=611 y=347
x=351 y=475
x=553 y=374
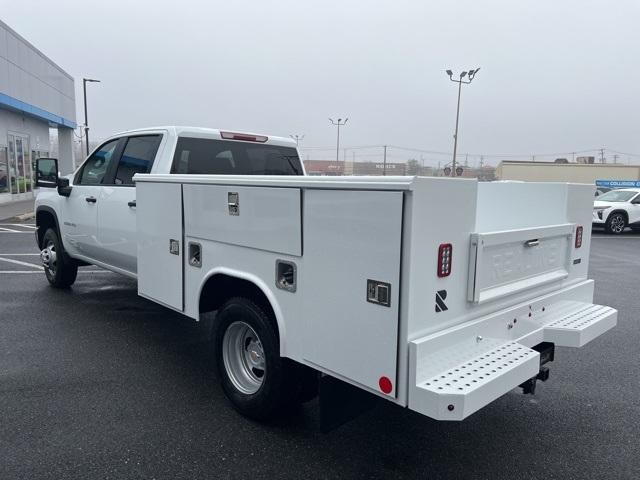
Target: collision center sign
x=618 y=183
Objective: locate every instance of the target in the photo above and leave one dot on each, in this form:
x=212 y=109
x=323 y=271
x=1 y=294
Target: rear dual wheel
x=255 y=378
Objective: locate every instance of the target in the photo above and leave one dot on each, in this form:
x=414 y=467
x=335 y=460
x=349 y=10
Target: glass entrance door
x=20 y=171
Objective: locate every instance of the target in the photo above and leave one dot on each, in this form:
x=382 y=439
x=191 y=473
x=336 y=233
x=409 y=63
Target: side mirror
x=63 y=187
x=47 y=172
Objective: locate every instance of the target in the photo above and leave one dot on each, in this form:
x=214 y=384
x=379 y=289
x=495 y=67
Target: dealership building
x=35 y=95
x=566 y=172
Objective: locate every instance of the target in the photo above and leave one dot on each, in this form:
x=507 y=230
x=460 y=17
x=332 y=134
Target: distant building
x=35 y=94
x=565 y=172
x=586 y=159
x=329 y=167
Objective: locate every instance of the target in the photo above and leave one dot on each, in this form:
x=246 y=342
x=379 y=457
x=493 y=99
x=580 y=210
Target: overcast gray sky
x=557 y=76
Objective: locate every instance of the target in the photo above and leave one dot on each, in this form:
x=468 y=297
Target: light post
x=338 y=124
x=297 y=138
x=86 y=121
x=470 y=74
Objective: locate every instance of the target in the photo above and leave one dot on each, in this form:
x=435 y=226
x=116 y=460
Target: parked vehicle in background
x=602 y=191
x=617 y=209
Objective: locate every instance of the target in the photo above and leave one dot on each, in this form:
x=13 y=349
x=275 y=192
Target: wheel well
x=44 y=221
x=221 y=287
x=623 y=212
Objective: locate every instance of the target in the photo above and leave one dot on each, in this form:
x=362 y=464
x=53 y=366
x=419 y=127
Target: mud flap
x=341 y=402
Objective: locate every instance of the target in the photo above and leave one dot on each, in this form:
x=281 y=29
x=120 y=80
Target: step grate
x=468 y=376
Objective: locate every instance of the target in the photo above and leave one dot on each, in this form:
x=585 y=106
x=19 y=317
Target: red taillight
x=445 y=252
x=578 y=236
x=245 y=137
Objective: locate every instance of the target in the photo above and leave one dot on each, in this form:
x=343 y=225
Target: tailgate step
x=464 y=387
x=573 y=324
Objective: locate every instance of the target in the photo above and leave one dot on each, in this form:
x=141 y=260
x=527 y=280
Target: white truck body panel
x=517 y=276
x=267 y=219
x=339 y=258
x=159 y=222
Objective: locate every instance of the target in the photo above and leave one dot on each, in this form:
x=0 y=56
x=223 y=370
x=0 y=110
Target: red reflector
x=445 y=253
x=385 y=385
x=579 y=236
x=245 y=137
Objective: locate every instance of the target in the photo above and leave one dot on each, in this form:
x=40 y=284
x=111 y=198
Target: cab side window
x=95 y=168
x=137 y=157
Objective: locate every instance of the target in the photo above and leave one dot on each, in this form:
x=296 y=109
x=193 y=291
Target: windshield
x=226 y=157
x=617 y=196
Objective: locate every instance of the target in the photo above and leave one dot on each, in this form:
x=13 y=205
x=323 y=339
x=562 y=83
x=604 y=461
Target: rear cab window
x=229 y=157
x=137 y=157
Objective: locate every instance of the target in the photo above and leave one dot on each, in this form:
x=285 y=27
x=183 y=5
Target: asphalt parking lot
x=96 y=382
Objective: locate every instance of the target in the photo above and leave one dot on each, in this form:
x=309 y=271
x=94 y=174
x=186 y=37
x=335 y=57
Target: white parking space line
x=625 y=237
x=18 y=262
x=25 y=225
x=39 y=271
x=19 y=254
x=9 y=230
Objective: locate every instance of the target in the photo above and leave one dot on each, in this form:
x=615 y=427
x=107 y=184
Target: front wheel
x=616 y=223
x=61 y=271
x=257 y=381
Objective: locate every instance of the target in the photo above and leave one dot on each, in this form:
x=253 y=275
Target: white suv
x=617 y=209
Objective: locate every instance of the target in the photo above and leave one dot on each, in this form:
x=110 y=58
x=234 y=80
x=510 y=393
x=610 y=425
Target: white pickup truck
x=437 y=294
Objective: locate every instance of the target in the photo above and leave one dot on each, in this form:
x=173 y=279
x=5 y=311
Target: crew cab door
x=117 y=205
x=80 y=209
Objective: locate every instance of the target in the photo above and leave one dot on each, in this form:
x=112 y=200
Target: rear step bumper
x=456 y=372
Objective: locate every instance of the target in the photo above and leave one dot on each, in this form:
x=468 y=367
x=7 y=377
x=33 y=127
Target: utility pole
x=338 y=124
x=602 y=155
x=573 y=157
x=86 y=119
x=384 y=162
x=470 y=74
x=615 y=158
x=297 y=138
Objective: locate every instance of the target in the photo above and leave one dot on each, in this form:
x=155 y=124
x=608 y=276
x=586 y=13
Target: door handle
x=132 y=203
x=532 y=243
x=90 y=199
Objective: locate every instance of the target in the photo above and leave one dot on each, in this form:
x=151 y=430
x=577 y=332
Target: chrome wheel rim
x=49 y=257
x=243 y=357
x=617 y=224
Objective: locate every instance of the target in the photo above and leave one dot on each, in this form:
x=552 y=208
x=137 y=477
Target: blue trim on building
x=14 y=104
x=618 y=183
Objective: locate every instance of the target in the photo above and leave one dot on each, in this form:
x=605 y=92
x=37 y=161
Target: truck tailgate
x=505 y=262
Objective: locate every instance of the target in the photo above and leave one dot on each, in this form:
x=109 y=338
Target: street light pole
x=470 y=74
x=297 y=138
x=338 y=124
x=86 y=120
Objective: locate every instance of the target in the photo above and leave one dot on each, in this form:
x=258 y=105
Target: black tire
x=60 y=269
x=239 y=349
x=616 y=223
